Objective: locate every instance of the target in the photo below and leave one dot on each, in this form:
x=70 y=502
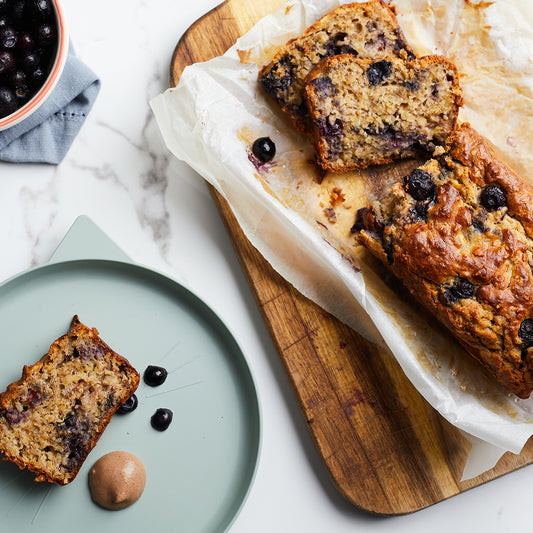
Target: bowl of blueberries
x=33 y=52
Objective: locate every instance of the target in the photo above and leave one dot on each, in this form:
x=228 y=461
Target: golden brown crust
x=52 y=417
x=369 y=29
x=464 y=258
x=367 y=112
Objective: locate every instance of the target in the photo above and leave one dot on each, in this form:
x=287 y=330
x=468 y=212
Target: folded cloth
x=47 y=134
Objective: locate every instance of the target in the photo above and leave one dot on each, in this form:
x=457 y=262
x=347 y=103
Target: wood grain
x=387 y=450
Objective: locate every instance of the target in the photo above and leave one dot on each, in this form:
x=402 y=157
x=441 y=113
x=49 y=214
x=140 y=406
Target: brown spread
x=117 y=480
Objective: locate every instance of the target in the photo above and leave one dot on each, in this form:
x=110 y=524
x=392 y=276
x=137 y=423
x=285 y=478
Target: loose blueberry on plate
x=264 y=149
x=155 y=375
x=129 y=405
x=161 y=419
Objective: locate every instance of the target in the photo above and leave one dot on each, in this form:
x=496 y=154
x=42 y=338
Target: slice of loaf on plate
x=368 y=29
x=367 y=112
x=52 y=417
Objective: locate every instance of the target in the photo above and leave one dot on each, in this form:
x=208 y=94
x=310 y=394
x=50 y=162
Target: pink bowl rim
x=57 y=68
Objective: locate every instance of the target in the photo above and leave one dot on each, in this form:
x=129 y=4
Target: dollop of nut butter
x=117 y=480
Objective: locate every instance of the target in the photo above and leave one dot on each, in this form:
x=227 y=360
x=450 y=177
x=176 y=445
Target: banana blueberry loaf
x=53 y=416
x=458 y=232
x=367 y=112
x=367 y=29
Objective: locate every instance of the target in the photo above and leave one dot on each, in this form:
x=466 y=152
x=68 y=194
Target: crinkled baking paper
x=301 y=224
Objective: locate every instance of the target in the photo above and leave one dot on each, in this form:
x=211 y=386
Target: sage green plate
x=200 y=470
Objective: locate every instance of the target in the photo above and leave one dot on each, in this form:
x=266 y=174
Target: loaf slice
x=53 y=416
x=458 y=232
x=368 y=29
x=367 y=112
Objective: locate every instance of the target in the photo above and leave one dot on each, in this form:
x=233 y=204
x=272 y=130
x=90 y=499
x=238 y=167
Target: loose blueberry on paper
x=264 y=149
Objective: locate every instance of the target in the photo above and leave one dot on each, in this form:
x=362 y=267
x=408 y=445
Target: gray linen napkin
x=47 y=134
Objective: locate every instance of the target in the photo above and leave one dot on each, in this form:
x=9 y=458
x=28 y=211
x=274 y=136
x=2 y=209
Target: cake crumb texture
x=458 y=232
x=366 y=30
x=53 y=416
x=367 y=112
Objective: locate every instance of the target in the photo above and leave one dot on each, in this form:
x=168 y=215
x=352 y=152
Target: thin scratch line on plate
x=184 y=364
x=10 y=482
x=170 y=351
x=175 y=389
x=21 y=498
x=40 y=505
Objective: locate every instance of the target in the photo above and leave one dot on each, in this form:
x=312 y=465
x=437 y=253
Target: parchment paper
x=300 y=221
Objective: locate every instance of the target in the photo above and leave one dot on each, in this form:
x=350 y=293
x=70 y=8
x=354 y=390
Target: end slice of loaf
x=52 y=417
x=458 y=232
x=367 y=112
x=368 y=29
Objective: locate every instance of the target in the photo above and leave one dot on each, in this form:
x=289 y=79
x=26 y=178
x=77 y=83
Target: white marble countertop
x=161 y=214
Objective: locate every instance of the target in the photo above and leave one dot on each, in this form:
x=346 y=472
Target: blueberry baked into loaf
x=53 y=416
x=367 y=112
x=458 y=232
x=367 y=29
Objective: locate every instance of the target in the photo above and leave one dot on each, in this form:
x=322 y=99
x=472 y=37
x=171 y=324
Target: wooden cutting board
x=387 y=450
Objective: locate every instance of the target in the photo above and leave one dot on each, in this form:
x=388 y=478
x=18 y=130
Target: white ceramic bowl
x=57 y=68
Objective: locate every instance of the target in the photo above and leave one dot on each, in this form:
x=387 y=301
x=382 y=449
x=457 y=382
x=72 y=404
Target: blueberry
x=39 y=9
x=129 y=405
x=30 y=61
x=412 y=85
x=419 y=185
x=26 y=42
x=155 y=375
x=359 y=223
x=70 y=421
x=330 y=130
x=420 y=212
x=46 y=35
x=278 y=79
x=461 y=289
x=18 y=79
x=492 y=197
x=525 y=332
x=22 y=92
x=334 y=47
x=479 y=225
x=8 y=101
x=161 y=419
x=8 y=37
x=378 y=72
x=264 y=149
x=7 y=62
x=37 y=76
x=18 y=11
x=324 y=86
